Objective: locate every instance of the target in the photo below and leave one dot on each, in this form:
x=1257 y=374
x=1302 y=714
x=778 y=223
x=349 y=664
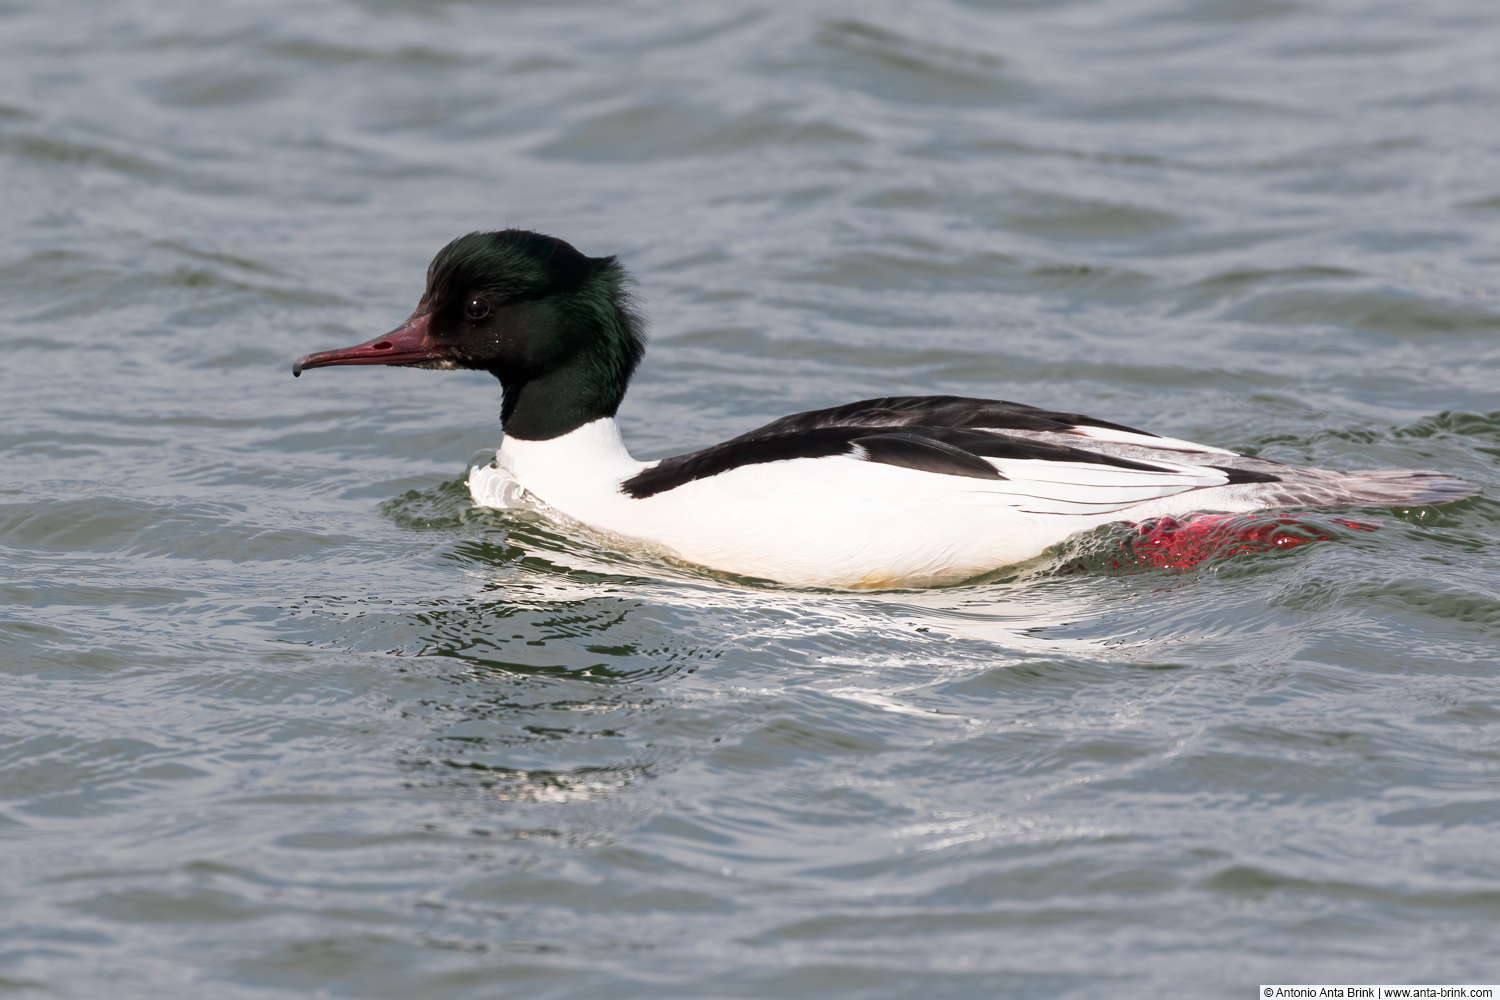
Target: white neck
x=589 y=454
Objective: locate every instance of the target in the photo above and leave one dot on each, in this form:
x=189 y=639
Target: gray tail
x=1373 y=488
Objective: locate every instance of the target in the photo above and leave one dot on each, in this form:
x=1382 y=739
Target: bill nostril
x=384 y=345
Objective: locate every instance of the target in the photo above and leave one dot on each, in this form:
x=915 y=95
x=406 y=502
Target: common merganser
x=897 y=491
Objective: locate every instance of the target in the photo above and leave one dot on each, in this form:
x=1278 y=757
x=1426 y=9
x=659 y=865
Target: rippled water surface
x=284 y=717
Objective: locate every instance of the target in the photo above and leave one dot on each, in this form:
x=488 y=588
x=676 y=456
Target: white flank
x=840 y=521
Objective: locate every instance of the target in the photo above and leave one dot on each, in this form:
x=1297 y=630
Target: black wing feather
x=912 y=451
x=927 y=433
x=671 y=473
x=936 y=411
x=1239 y=476
x=1001 y=446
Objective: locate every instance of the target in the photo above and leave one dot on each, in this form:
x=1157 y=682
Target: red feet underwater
x=1182 y=544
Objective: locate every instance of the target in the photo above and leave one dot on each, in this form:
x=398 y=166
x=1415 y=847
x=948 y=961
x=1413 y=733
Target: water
x=285 y=718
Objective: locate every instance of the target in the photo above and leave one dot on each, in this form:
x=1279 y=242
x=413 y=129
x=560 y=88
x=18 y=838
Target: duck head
x=554 y=326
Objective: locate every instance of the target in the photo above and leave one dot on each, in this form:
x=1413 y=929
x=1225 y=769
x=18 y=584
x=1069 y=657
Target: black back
x=936 y=411
x=928 y=433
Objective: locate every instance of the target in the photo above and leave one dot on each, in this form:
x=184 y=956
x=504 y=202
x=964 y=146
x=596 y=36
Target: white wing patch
x=1146 y=440
x=1043 y=487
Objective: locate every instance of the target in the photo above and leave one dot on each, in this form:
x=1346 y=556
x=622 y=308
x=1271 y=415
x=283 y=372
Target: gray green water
x=282 y=717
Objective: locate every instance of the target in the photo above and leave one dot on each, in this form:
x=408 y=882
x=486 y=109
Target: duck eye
x=477 y=309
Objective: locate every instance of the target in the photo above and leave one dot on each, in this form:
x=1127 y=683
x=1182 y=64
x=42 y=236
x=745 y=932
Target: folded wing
x=1041 y=461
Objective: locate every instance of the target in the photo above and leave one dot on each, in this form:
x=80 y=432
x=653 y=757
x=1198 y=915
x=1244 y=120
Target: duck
x=899 y=491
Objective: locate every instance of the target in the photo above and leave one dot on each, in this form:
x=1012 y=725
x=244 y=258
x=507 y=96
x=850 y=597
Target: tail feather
x=1371 y=488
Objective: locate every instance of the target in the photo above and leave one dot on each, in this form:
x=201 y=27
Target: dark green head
x=555 y=327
